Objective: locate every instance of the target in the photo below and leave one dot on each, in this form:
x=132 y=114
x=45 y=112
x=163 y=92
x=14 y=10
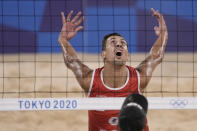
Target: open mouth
x=119 y=53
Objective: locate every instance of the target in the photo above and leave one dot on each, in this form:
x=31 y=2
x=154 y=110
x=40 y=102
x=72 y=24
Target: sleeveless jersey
x=107 y=120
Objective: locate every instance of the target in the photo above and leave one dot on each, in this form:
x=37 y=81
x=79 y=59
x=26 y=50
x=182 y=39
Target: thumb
x=157 y=30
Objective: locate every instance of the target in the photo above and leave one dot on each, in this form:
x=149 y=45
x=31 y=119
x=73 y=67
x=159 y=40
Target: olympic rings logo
x=179 y=103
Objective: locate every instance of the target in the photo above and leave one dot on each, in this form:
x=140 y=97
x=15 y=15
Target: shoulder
x=90 y=77
x=97 y=72
x=133 y=70
x=130 y=67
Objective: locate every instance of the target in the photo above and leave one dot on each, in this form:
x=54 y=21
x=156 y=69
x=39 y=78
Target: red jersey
x=107 y=120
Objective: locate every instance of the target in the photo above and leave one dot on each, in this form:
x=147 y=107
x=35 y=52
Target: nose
x=119 y=45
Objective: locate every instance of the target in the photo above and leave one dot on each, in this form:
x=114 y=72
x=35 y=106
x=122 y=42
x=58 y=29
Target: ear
x=103 y=54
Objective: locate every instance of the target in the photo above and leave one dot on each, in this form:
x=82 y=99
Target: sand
x=176 y=76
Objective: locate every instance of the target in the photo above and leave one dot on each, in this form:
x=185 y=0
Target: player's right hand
x=70 y=27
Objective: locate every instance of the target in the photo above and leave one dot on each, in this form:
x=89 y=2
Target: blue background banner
x=28 y=26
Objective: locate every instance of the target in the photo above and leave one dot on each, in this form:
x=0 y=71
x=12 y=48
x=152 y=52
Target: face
x=116 y=50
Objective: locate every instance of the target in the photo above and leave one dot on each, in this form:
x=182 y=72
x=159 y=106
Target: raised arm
x=69 y=30
x=156 y=53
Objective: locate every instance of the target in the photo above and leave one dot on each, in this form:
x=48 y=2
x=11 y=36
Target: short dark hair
x=138 y=99
x=132 y=116
x=105 y=39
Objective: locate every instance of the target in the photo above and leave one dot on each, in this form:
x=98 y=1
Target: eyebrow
x=123 y=40
x=112 y=38
x=120 y=39
x=115 y=38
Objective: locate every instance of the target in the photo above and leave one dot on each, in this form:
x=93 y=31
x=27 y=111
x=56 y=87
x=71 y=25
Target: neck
x=114 y=70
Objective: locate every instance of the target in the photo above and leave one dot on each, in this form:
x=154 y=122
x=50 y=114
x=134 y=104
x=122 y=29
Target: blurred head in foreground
x=132 y=116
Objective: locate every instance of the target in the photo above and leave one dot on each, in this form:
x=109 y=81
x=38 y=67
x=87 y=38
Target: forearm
x=70 y=57
x=80 y=70
x=158 y=49
x=72 y=61
x=67 y=49
x=154 y=58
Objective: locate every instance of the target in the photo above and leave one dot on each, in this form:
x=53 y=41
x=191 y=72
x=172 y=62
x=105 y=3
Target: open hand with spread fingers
x=162 y=25
x=70 y=27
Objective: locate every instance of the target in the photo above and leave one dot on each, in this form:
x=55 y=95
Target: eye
x=113 y=41
x=124 y=43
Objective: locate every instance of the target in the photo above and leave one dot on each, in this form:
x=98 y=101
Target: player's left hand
x=161 y=29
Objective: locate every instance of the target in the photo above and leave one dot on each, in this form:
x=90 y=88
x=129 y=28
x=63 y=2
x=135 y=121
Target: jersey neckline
x=119 y=88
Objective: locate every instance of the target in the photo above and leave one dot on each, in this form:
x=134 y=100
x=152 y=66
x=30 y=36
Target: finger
x=158 y=15
x=76 y=17
x=78 y=28
x=79 y=21
x=153 y=11
x=157 y=30
x=63 y=17
x=69 y=15
x=160 y=19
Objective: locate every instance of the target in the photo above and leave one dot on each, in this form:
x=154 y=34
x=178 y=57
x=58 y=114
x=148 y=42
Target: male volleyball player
x=115 y=78
x=132 y=116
